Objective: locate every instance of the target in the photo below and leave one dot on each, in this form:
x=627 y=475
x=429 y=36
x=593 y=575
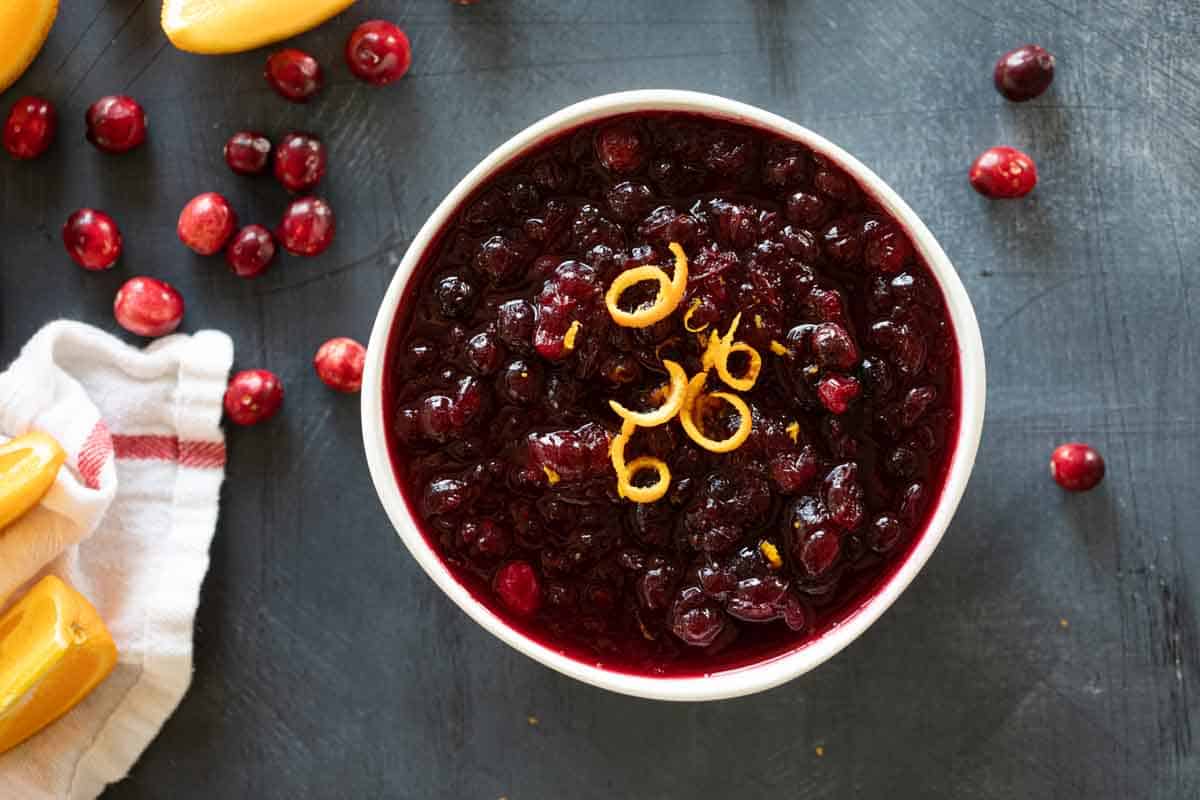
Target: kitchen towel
x=128 y=523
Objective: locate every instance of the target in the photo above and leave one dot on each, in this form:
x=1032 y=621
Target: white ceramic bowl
x=761 y=675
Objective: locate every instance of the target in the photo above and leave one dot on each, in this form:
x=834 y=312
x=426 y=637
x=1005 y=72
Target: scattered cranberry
x=1024 y=73
x=206 y=223
x=837 y=392
x=253 y=395
x=250 y=251
x=308 y=226
x=30 y=127
x=1076 y=467
x=518 y=587
x=339 y=364
x=92 y=239
x=378 y=52
x=1003 y=172
x=619 y=147
x=148 y=307
x=300 y=161
x=247 y=153
x=294 y=74
x=116 y=124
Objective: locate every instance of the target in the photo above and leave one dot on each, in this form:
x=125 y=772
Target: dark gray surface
x=1049 y=649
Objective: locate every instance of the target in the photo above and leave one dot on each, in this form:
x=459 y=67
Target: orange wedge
x=231 y=26
x=24 y=26
x=54 y=649
x=28 y=466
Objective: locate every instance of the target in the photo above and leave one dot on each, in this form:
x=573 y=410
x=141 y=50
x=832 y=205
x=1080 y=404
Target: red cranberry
x=809 y=210
x=247 y=153
x=250 y=251
x=92 y=239
x=818 y=551
x=30 y=127
x=888 y=250
x=148 y=307
x=521 y=382
x=206 y=223
x=339 y=364
x=300 y=161
x=253 y=395
x=837 y=392
x=695 y=619
x=308 y=227
x=886 y=532
x=1076 y=467
x=844 y=496
x=620 y=148
x=1024 y=73
x=294 y=74
x=116 y=124
x=518 y=587
x=1003 y=172
x=378 y=52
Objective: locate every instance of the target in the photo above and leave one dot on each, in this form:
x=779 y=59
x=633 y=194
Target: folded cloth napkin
x=128 y=523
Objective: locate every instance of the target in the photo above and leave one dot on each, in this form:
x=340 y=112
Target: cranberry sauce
x=498 y=403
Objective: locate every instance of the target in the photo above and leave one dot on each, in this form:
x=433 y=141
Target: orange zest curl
x=669 y=296
x=627 y=472
x=695 y=396
x=670 y=407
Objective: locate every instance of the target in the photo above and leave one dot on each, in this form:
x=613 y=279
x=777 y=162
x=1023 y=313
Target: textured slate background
x=1050 y=648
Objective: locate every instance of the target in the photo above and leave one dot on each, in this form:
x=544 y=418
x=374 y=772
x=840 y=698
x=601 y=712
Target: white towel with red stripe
x=128 y=524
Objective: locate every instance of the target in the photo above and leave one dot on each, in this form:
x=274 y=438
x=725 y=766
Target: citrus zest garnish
x=627 y=472
x=572 y=332
x=687 y=318
x=695 y=392
x=758 y=323
x=778 y=349
x=793 y=430
x=665 y=412
x=716 y=355
x=669 y=296
x=551 y=475
x=771 y=553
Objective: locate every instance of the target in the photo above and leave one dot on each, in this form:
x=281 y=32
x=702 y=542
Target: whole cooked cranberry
x=116 y=124
x=836 y=392
x=1076 y=467
x=835 y=185
x=339 y=364
x=484 y=537
x=378 y=52
x=300 y=161
x=629 y=200
x=844 y=496
x=250 y=251
x=247 y=153
x=807 y=209
x=887 y=250
x=1003 y=172
x=92 y=238
x=818 y=551
x=695 y=619
x=886 y=533
x=620 y=148
x=521 y=382
x=793 y=470
x=573 y=454
x=30 y=127
x=518 y=587
x=294 y=74
x=483 y=353
x=253 y=395
x=148 y=307
x=308 y=227
x=833 y=347
x=843 y=242
x=456 y=295
x=568 y=296
x=501 y=259
x=206 y=223
x=1024 y=73
x=515 y=323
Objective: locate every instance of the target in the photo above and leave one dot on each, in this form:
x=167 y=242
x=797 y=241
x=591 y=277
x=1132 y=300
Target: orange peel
x=670 y=407
x=669 y=296
x=687 y=317
x=770 y=553
x=720 y=348
x=572 y=332
x=686 y=417
x=627 y=472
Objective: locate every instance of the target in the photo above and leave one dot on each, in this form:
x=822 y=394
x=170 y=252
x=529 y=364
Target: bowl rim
x=770 y=672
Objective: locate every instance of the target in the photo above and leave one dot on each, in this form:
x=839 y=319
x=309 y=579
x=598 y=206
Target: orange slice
x=54 y=649
x=24 y=26
x=28 y=466
x=231 y=26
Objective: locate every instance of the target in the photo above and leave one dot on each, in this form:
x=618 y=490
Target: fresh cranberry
x=1076 y=467
x=1003 y=172
x=206 y=223
x=30 y=127
x=837 y=392
x=116 y=124
x=247 y=153
x=92 y=238
x=308 y=227
x=1024 y=73
x=148 y=307
x=254 y=395
x=620 y=148
x=300 y=161
x=339 y=364
x=250 y=251
x=294 y=74
x=378 y=52
x=518 y=587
